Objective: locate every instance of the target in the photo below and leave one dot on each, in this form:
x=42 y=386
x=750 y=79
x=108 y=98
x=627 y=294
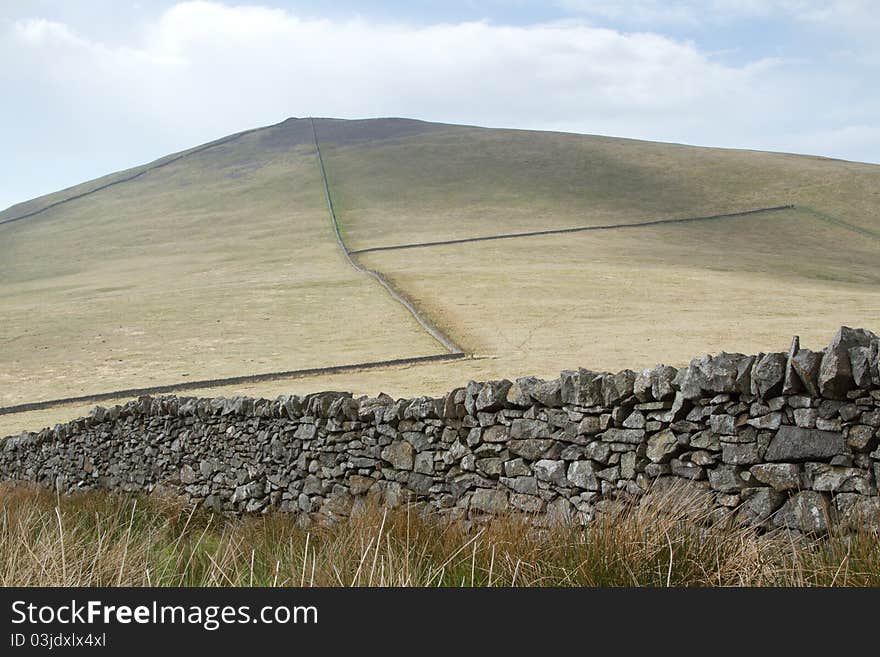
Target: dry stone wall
x=779 y=439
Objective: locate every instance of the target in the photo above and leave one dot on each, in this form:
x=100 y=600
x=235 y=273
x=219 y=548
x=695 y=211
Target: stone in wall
x=778 y=439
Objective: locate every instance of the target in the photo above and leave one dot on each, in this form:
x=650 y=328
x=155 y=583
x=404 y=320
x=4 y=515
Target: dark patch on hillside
x=342 y=132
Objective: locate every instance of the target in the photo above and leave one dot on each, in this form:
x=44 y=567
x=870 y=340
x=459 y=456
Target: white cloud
x=858 y=140
x=205 y=69
x=247 y=61
x=852 y=15
x=856 y=17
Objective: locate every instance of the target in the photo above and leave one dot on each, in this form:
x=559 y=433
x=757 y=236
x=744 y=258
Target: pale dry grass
x=111 y=540
x=219 y=265
x=606 y=300
x=431 y=378
x=226 y=264
x=618 y=299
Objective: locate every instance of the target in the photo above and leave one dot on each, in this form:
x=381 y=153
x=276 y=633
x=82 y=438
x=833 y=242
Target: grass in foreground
x=109 y=540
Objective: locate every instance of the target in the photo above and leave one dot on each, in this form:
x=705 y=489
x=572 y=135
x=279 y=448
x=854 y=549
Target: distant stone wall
x=779 y=439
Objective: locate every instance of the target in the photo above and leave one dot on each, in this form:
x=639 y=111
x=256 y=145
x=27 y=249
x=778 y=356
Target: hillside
x=216 y=265
x=222 y=261
x=453 y=182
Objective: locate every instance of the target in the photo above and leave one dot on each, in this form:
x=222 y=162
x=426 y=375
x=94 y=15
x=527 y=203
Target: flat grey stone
x=583 y=475
x=523 y=429
x=726 y=479
x=662 y=446
x=633 y=436
x=807 y=511
x=399 y=454
x=493 y=395
x=798 y=444
x=806 y=364
x=768 y=375
x=781 y=476
x=581 y=388
x=531 y=449
x=550 y=470
x=617 y=387
x=762 y=502
x=489 y=500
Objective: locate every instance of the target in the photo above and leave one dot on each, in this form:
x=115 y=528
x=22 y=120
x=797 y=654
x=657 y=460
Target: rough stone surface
x=806 y=364
x=661 y=446
x=807 y=511
x=862 y=362
x=835 y=374
x=836 y=377
x=798 y=444
x=551 y=471
x=493 y=395
x=632 y=436
x=765 y=437
x=581 y=388
x=780 y=476
x=617 y=387
x=761 y=503
x=768 y=375
x=855 y=510
x=838 y=479
x=532 y=390
x=726 y=479
x=661 y=382
x=582 y=475
x=792 y=383
x=489 y=500
x=399 y=454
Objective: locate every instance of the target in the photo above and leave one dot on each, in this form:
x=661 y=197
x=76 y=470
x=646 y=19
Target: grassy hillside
x=223 y=262
x=220 y=264
x=32 y=207
x=462 y=182
x=635 y=297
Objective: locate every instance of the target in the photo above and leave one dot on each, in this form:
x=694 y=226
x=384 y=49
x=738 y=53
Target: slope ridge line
x=145 y=169
x=398 y=296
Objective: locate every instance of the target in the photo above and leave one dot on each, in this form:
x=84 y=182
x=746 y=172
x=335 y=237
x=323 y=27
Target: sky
x=88 y=87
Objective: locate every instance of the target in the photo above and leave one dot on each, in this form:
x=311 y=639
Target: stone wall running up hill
x=781 y=439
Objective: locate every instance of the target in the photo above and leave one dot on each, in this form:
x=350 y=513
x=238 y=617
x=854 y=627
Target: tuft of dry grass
x=100 y=539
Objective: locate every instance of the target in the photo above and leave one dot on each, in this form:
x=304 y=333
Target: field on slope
x=634 y=297
x=258 y=255
x=452 y=182
x=626 y=297
x=221 y=264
